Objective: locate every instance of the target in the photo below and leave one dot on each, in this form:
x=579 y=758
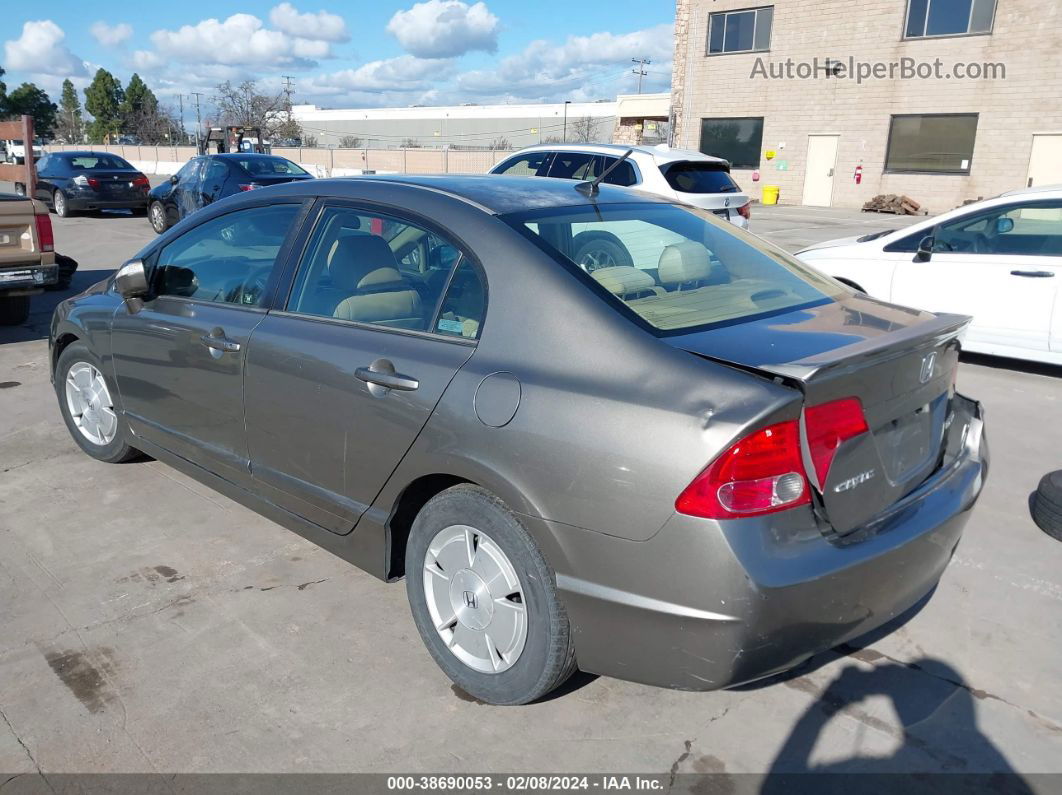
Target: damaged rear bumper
x=703 y=605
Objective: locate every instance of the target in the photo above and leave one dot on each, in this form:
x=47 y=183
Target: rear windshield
x=90 y=162
x=700 y=178
x=675 y=268
x=267 y=166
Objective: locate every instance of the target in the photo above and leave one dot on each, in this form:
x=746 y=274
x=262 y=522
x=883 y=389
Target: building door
x=1045 y=163
x=818 y=177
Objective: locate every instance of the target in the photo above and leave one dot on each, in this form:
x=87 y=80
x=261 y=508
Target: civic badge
x=927 y=367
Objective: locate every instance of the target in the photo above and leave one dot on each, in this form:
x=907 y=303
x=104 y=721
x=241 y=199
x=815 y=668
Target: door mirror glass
x=1004 y=225
x=173 y=179
x=925 y=248
x=131 y=280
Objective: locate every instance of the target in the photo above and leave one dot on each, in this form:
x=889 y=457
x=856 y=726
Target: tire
x=60 y=205
x=109 y=448
x=1047 y=504
x=14 y=309
x=593 y=250
x=157 y=217
x=523 y=672
x=20 y=189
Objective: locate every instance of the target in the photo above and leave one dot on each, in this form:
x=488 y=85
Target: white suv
x=687 y=176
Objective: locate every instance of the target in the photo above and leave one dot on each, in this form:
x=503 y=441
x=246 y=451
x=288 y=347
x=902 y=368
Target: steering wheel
x=980 y=244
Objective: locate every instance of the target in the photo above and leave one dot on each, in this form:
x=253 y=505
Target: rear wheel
x=20 y=189
x=594 y=250
x=87 y=406
x=1047 y=504
x=60 y=205
x=157 y=217
x=484 y=599
x=14 y=309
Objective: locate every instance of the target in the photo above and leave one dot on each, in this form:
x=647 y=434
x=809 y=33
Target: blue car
x=208 y=178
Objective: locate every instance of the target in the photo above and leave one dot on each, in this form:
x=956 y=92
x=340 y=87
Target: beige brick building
x=746 y=86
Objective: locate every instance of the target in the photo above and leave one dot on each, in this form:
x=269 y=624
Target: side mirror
x=173 y=179
x=131 y=281
x=925 y=248
x=1004 y=225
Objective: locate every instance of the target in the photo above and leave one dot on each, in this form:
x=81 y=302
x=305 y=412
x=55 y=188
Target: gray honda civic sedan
x=693 y=467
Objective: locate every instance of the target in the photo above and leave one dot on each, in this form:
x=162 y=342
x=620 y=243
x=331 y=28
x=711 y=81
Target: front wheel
x=485 y=600
x=157 y=217
x=87 y=406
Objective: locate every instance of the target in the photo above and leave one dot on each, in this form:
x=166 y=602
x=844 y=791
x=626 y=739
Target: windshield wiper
x=591 y=188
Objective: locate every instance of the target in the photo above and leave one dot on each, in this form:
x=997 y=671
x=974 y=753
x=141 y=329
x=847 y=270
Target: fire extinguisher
x=859 y=174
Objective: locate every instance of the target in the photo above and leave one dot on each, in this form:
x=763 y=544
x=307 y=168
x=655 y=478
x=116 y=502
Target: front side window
x=927 y=18
x=532 y=164
x=227 y=259
x=737 y=140
x=368 y=268
x=675 y=268
x=932 y=143
x=189 y=172
x=747 y=30
x=1030 y=228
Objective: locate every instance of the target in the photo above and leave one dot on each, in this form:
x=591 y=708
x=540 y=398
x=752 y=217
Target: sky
x=342 y=54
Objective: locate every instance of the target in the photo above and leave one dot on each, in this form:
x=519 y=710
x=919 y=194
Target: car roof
x=495 y=193
x=1034 y=189
x=83 y=153
x=661 y=154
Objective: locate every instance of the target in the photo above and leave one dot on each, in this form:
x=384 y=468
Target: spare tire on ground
x=1047 y=504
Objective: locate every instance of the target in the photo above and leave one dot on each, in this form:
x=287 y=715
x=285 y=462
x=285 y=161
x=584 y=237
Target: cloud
x=445 y=28
x=111 y=35
x=583 y=67
x=41 y=50
x=405 y=73
x=239 y=40
x=321 y=26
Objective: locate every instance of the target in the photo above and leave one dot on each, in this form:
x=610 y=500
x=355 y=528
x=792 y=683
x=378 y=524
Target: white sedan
x=999 y=260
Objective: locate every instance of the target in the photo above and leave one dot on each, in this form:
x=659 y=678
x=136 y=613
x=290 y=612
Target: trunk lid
x=900 y=364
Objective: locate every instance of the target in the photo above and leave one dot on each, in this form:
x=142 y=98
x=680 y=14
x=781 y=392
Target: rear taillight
x=45 y=238
x=140 y=181
x=828 y=425
x=762 y=473
x=250 y=186
x=91 y=182
x=745 y=211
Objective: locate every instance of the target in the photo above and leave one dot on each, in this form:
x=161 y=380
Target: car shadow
x=1015 y=365
x=937 y=733
x=43 y=305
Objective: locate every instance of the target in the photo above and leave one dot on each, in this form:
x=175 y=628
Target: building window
x=938 y=143
x=948 y=17
x=748 y=30
x=736 y=140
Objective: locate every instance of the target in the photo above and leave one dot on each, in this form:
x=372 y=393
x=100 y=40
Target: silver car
x=693 y=471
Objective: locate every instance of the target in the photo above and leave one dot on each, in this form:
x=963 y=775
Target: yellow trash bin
x=770 y=194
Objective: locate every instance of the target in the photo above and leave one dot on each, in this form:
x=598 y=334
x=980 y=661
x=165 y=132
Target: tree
x=243 y=106
x=583 y=130
x=309 y=141
x=139 y=101
x=29 y=100
x=410 y=143
x=349 y=142
x=287 y=130
x=69 y=126
x=103 y=99
x=3 y=94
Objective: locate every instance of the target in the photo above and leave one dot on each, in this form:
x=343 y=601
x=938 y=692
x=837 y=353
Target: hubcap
x=90 y=404
x=60 y=204
x=597 y=258
x=475 y=599
x=156 y=216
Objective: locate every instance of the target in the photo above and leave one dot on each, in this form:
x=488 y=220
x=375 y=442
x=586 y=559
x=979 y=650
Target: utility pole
x=184 y=133
x=567 y=102
x=287 y=93
x=640 y=71
x=198 y=121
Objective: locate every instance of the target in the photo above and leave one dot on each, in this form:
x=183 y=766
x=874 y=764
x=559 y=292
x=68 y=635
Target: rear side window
x=623 y=174
x=227 y=259
x=532 y=164
x=700 y=178
x=268 y=166
x=573 y=165
x=461 y=313
x=675 y=268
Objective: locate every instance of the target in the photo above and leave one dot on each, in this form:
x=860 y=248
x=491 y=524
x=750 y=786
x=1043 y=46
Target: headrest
x=623 y=279
x=684 y=262
x=361 y=261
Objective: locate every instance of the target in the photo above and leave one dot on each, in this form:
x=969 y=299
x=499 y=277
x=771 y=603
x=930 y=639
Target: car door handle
x=1033 y=274
x=397 y=381
x=220 y=344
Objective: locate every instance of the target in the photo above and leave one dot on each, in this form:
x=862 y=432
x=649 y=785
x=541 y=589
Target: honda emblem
x=470 y=599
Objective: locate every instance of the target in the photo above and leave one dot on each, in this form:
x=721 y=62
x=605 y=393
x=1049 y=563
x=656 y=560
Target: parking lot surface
x=150 y=624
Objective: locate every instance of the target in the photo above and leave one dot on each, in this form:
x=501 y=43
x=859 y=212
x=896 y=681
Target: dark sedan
x=204 y=180
x=692 y=471
x=73 y=182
